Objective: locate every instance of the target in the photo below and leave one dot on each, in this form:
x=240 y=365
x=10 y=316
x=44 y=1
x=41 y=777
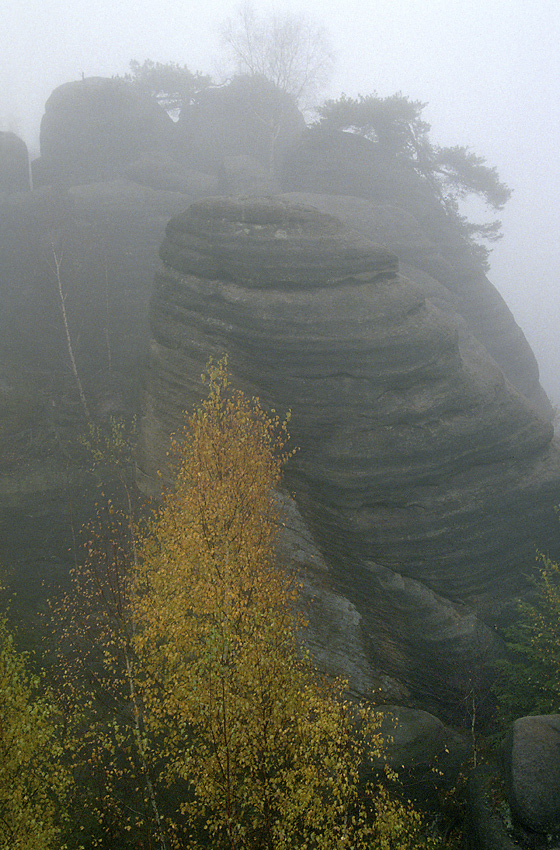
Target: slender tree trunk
x=140 y=746
x=107 y=315
x=132 y=689
x=57 y=259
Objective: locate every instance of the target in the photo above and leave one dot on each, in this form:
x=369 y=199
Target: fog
x=488 y=70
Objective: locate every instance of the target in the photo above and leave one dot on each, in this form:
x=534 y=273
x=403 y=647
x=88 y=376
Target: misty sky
x=488 y=69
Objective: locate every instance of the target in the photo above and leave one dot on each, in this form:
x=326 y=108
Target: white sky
x=488 y=69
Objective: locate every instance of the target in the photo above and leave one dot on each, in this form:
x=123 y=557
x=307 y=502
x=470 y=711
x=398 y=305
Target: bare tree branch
x=289 y=50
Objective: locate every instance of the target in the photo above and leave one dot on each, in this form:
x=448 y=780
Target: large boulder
x=531 y=758
x=244 y=175
x=423 y=473
x=93 y=128
x=334 y=162
x=163 y=173
x=14 y=164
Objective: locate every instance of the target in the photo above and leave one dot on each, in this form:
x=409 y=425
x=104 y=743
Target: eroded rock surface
x=532 y=772
x=423 y=473
x=95 y=127
x=106 y=236
x=348 y=176
x=247 y=117
x=426 y=471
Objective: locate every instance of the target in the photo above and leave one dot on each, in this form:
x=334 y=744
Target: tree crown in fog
x=395 y=123
x=289 y=50
x=171 y=84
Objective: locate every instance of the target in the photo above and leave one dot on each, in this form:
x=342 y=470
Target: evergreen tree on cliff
x=453 y=174
x=174 y=86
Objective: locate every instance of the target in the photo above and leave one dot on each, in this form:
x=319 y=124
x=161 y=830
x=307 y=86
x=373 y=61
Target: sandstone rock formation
x=93 y=128
x=107 y=236
x=426 y=471
x=382 y=199
x=245 y=175
x=333 y=162
x=531 y=754
x=423 y=473
x=14 y=164
x=163 y=173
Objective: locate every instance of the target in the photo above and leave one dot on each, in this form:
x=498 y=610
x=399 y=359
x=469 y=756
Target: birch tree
x=33 y=779
x=289 y=50
x=267 y=751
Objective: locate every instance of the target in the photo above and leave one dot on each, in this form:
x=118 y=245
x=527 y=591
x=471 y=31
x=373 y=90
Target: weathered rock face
x=426 y=470
x=338 y=163
x=107 y=236
x=160 y=172
x=423 y=473
x=14 y=164
x=532 y=772
x=93 y=128
x=350 y=177
x=463 y=293
x=243 y=175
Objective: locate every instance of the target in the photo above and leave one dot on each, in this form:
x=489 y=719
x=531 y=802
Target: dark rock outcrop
x=244 y=175
x=531 y=758
x=333 y=162
x=423 y=473
x=93 y=128
x=163 y=173
x=249 y=116
x=426 y=468
x=14 y=164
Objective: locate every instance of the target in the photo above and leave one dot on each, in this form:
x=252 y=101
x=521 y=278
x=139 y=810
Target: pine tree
x=529 y=681
x=452 y=174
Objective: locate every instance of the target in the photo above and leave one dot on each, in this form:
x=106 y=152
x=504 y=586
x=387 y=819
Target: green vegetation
x=395 y=123
x=96 y=669
x=33 y=780
x=530 y=682
x=264 y=746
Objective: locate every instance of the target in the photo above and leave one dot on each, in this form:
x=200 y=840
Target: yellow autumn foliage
x=33 y=780
x=266 y=752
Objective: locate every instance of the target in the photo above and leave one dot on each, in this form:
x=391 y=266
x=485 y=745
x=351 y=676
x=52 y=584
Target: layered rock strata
x=353 y=178
x=424 y=475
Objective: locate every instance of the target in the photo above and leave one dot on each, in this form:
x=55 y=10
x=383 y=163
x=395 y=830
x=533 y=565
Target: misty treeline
x=295 y=57
x=181 y=709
